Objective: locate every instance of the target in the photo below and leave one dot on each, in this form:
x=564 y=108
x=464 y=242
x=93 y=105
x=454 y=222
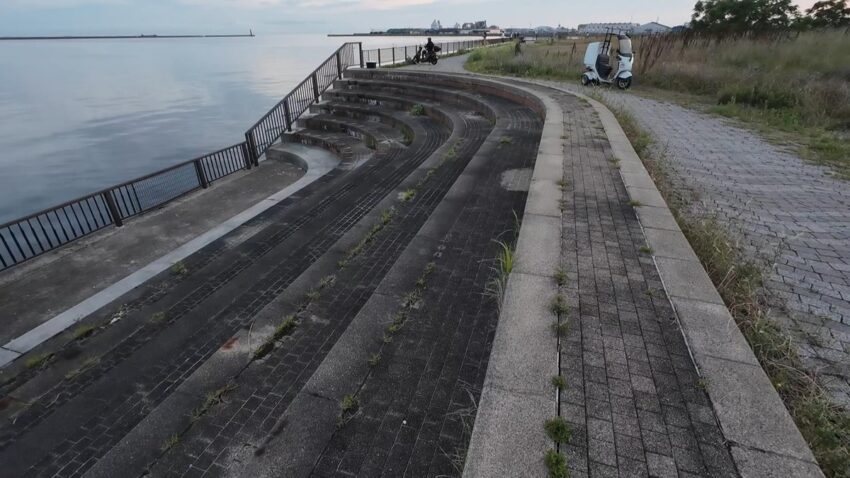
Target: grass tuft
x=407 y=195
x=646 y=250
x=561 y=329
x=560 y=276
x=505 y=140
x=38 y=361
x=556 y=464
x=374 y=360
x=347 y=408
x=179 y=268
x=559 y=382
x=158 y=317
x=559 y=305
x=558 y=430
x=635 y=203
x=417 y=110
x=170 y=442
x=83 y=331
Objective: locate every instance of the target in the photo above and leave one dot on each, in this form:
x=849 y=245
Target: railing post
x=393 y=63
x=252 y=149
x=316 y=87
x=338 y=66
x=202 y=178
x=112 y=208
x=287 y=116
x=246 y=156
x=360 y=46
x=379 y=57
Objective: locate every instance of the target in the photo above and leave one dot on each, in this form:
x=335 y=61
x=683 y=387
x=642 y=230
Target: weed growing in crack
x=562 y=184
x=646 y=250
x=559 y=305
x=312 y=295
x=38 y=361
x=559 y=382
x=347 y=408
x=417 y=110
x=407 y=195
x=179 y=268
x=558 y=430
x=556 y=464
x=327 y=281
x=388 y=339
x=635 y=203
x=158 y=317
x=561 y=329
x=374 y=360
x=560 y=276
x=83 y=331
x=87 y=364
x=170 y=442
x=408 y=136
x=212 y=399
x=505 y=140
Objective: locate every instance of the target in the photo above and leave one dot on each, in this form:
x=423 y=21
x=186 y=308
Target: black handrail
x=28 y=237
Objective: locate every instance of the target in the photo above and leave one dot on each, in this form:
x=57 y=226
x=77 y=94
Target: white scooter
x=597 y=62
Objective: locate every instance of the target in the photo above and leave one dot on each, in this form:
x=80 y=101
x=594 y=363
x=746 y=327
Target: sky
x=104 y=17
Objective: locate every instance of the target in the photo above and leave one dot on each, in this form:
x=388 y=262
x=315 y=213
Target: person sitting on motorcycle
x=429 y=47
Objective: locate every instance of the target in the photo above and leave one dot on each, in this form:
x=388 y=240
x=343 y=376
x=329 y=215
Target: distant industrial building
x=601 y=28
x=651 y=28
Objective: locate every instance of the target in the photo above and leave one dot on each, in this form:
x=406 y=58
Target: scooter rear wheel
x=624 y=83
x=585 y=80
x=434 y=60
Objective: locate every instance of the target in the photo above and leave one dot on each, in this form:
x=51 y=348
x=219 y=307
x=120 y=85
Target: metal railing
x=397 y=55
x=31 y=236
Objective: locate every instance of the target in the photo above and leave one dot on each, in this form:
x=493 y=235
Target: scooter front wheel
x=624 y=83
x=585 y=80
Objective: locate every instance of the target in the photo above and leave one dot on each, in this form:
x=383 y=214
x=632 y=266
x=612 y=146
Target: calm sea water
x=78 y=116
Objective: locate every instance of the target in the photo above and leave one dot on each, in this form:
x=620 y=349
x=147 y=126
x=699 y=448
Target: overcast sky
x=34 y=17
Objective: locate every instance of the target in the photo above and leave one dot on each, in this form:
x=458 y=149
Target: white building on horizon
x=651 y=28
x=602 y=28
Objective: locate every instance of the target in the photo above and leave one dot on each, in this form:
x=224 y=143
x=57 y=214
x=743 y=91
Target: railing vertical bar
x=61 y=226
x=26 y=239
x=70 y=223
x=35 y=235
x=46 y=235
x=287 y=115
x=113 y=210
x=8 y=250
x=99 y=209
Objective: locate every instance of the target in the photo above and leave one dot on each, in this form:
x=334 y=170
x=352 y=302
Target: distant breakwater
x=123 y=37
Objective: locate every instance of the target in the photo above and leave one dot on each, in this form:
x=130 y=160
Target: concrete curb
x=762 y=436
x=17 y=347
x=508 y=437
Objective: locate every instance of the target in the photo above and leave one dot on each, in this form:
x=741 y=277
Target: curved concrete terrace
x=351 y=330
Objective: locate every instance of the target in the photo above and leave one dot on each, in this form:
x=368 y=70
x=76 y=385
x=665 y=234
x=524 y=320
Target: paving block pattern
x=632 y=397
x=789 y=213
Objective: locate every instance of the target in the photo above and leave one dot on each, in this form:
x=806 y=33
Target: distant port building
x=601 y=28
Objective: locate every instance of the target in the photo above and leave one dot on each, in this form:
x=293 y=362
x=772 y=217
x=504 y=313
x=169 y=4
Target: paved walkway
x=788 y=212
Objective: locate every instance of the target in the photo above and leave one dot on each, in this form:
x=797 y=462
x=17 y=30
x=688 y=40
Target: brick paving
x=632 y=394
x=204 y=311
x=791 y=214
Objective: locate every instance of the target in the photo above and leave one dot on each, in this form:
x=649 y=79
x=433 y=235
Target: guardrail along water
x=31 y=236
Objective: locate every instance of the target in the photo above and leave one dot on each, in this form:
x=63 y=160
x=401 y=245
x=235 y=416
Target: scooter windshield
x=625 y=48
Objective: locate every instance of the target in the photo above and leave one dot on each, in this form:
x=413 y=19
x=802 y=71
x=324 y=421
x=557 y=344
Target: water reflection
x=78 y=116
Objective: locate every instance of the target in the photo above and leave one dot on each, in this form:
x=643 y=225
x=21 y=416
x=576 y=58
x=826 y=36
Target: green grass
x=407 y=195
x=179 y=269
x=646 y=250
x=170 y=442
x=559 y=306
x=635 y=203
x=83 y=331
x=560 y=277
x=374 y=360
x=158 y=317
x=823 y=424
x=561 y=328
x=559 y=382
x=347 y=408
x=795 y=89
x=38 y=360
x=505 y=140
x=556 y=465
x=558 y=430
x=211 y=400
x=417 y=110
